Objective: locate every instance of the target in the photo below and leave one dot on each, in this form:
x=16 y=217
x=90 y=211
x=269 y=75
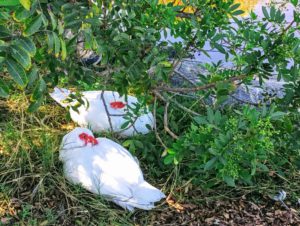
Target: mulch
x=237 y=212
x=221 y=212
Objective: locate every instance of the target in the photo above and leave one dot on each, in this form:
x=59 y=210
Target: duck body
x=105 y=111
x=106 y=168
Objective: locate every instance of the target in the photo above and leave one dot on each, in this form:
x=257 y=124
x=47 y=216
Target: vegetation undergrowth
x=34 y=191
x=238 y=146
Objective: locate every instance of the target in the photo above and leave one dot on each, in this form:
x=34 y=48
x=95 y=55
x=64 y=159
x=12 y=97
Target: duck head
x=78 y=137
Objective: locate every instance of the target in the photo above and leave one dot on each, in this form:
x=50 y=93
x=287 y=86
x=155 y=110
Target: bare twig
x=109 y=115
x=178 y=61
x=191 y=96
x=288 y=27
x=174 y=65
x=117 y=115
x=166 y=127
x=166 y=99
x=243 y=101
x=184 y=77
x=199 y=88
x=107 y=72
x=106 y=110
x=184 y=15
x=155 y=126
x=131 y=125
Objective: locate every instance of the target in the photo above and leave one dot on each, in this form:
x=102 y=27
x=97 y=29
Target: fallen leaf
x=172 y=203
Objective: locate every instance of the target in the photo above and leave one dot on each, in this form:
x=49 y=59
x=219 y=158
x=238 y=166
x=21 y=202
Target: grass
x=33 y=190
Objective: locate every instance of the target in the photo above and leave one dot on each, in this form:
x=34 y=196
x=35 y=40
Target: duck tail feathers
x=59 y=95
x=148 y=193
x=143 y=197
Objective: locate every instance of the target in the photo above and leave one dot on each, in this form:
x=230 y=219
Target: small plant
x=229 y=147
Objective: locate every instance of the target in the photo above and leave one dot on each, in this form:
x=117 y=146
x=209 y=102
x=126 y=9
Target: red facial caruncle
x=117 y=105
x=88 y=139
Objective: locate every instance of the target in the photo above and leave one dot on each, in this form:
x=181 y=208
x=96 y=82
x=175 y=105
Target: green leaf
x=32 y=76
x=265 y=12
x=139 y=144
x=218 y=117
x=26 y=4
x=294 y=2
x=253 y=15
x=4 y=15
x=176 y=161
x=229 y=180
x=278 y=16
x=264 y=111
x=132 y=147
x=277 y=115
x=45 y=20
x=9 y=2
x=122 y=37
x=71 y=20
x=4 y=90
x=56 y=44
x=4 y=32
x=33 y=26
x=210 y=164
x=171 y=151
x=220 y=48
x=21 y=56
x=17 y=72
x=63 y=49
x=234 y=7
x=200 y=120
x=60 y=28
x=168 y=159
x=21 y=14
x=253 y=168
x=88 y=39
x=27 y=44
x=53 y=20
x=125 y=125
x=3 y=46
x=237 y=21
x=272 y=13
x=67 y=6
x=238 y=12
x=35 y=105
x=127 y=143
x=263 y=167
x=50 y=41
x=210 y=115
x=38 y=90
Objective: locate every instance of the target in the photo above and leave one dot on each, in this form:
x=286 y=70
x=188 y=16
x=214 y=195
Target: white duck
x=101 y=103
x=104 y=167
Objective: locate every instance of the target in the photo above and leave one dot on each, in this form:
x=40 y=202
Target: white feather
x=95 y=115
x=107 y=169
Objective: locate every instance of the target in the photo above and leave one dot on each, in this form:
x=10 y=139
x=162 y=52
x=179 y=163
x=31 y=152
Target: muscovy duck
x=105 y=111
x=104 y=167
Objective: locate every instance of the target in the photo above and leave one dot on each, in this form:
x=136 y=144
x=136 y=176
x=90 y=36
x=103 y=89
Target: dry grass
x=33 y=190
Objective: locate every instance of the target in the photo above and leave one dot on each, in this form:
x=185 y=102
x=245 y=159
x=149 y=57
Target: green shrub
x=231 y=147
